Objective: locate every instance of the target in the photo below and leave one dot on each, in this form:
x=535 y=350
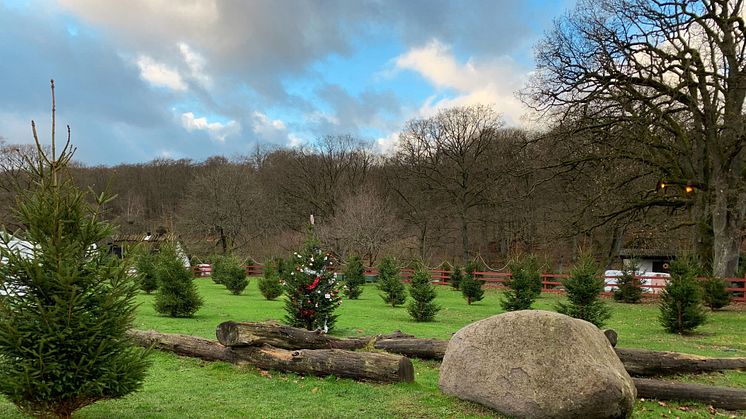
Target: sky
x=139 y=80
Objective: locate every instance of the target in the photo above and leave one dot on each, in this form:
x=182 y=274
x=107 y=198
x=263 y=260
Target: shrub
x=715 y=294
x=583 y=288
x=457 y=276
x=471 y=288
x=312 y=294
x=177 y=294
x=389 y=282
x=681 y=308
x=354 y=278
x=523 y=285
x=63 y=332
x=422 y=308
x=628 y=285
x=145 y=266
x=229 y=271
x=269 y=284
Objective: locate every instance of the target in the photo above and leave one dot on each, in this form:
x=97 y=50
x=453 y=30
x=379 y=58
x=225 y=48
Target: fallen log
x=412 y=347
x=644 y=363
x=720 y=397
x=368 y=366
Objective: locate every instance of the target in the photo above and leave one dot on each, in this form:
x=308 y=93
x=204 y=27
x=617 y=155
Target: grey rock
x=537 y=364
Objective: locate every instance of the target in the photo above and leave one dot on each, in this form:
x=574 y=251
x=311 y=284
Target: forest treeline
x=459 y=184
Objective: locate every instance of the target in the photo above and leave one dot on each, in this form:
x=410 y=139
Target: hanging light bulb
x=688 y=189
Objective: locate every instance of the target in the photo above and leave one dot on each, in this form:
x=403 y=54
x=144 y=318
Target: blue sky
x=145 y=79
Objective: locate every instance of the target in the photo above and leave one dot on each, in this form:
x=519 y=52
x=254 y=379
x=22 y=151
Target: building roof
x=647 y=253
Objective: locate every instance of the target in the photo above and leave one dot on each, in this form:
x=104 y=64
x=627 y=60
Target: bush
x=523 y=285
x=681 y=308
x=583 y=288
x=715 y=294
x=145 y=266
x=389 y=282
x=63 y=333
x=457 y=276
x=269 y=284
x=354 y=278
x=312 y=292
x=177 y=294
x=229 y=271
x=471 y=288
x=628 y=286
x=422 y=308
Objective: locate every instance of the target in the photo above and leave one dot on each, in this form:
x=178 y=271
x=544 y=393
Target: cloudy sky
x=145 y=79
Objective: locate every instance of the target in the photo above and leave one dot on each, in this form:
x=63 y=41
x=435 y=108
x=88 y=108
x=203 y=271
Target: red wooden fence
x=550 y=282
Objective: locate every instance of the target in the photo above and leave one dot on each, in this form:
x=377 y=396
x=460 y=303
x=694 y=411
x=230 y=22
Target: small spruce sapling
x=457 y=276
x=145 y=267
x=389 y=282
x=177 y=294
x=269 y=284
x=421 y=307
x=231 y=273
x=715 y=294
x=628 y=285
x=354 y=278
x=523 y=285
x=583 y=287
x=681 y=308
x=471 y=287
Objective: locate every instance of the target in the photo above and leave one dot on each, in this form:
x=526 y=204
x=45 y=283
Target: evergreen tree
x=681 y=308
x=311 y=288
x=145 y=266
x=67 y=304
x=583 y=288
x=715 y=293
x=177 y=293
x=628 y=285
x=389 y=282
x=354 y=278
x=421 y=307
x=457 y=276
x=471 y=287
x=269 y=284
x=217 y=261
x=231 y=273
x=523 y=285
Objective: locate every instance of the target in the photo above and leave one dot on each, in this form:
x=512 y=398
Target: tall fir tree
x=311 y=288
x=523 y=285
x=354 y=277
x=389 y=282
x=177 y=294
x=421 y=307
x=583 y=287
x=681 y=308
x=471 y=286
x=68 y=304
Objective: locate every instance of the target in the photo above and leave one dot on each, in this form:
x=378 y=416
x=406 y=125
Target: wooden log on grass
x=368 y=366
x=413 y=347
x=644 y=363
x=720 y=397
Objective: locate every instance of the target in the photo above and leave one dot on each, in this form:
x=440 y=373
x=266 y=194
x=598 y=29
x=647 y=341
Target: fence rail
x=550 y=282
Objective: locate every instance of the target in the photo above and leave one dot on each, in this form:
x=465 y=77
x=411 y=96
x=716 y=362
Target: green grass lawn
x=182 y=387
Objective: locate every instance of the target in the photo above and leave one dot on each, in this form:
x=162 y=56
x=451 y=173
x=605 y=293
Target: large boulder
x=537 y=364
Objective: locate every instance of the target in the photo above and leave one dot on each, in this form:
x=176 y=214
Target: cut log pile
x=285 y=348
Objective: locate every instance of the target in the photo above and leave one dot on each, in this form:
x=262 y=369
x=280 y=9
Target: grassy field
x=183 y=387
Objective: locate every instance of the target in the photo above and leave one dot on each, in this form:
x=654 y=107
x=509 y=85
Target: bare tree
x=450 y=155
x=659 y=85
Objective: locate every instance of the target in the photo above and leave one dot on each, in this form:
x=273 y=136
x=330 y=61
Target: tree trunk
x=727 y=219
x=417 y=348
x=465 y=235
x=643 y=363
x=235 y=334
x=368 y=366
x=720 y=397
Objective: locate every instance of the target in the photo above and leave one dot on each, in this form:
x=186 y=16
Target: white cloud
x=159 y=74
x=387 y=144
x=491 y=81
x=216 y=130
x=196 y=64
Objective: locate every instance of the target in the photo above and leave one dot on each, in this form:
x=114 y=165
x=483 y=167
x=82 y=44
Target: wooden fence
x=550 y=282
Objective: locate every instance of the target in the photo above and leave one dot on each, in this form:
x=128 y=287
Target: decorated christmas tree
x=312 y=288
